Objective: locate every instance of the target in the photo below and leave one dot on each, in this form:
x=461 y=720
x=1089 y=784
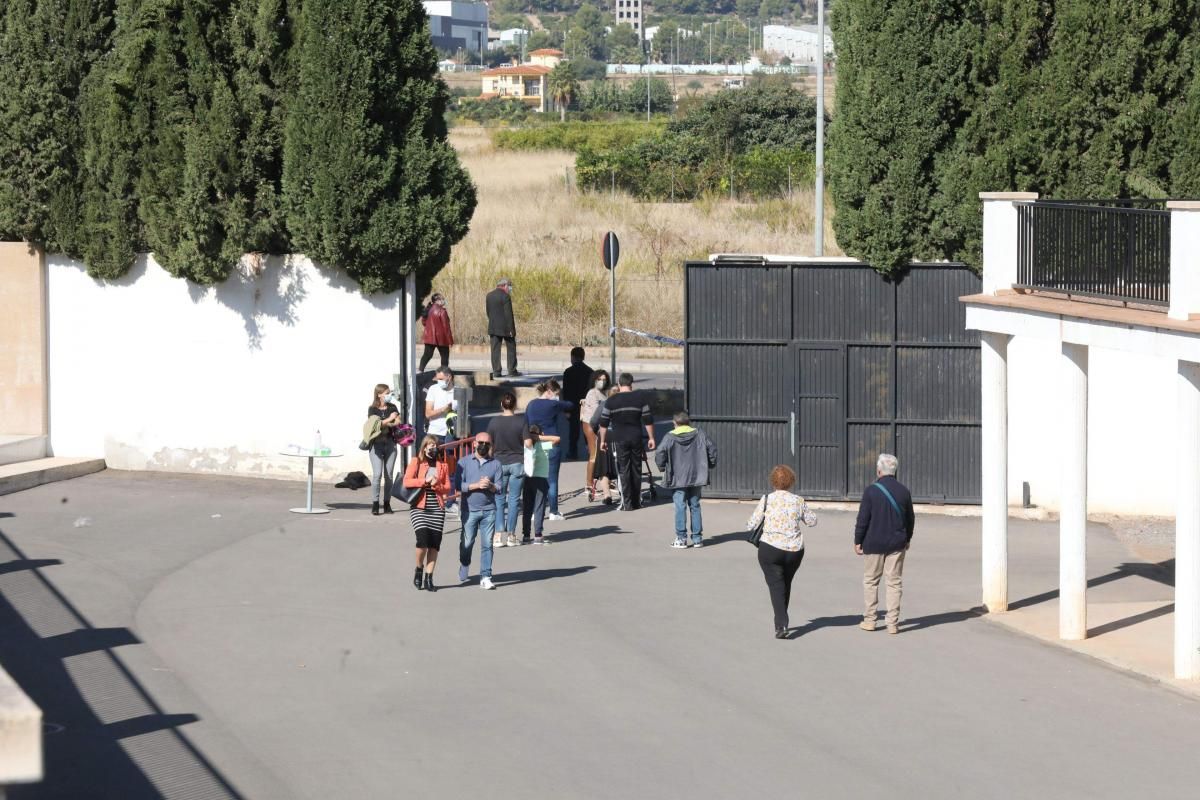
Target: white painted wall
x=1131 y=428
x=152 y=372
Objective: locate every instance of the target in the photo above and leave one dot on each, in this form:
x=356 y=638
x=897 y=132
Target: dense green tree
x=587 y=34
x=769 y=113
x=47 y=47
x=623 y=45
x=370 y=182
x=903 y=83
x=662 y=46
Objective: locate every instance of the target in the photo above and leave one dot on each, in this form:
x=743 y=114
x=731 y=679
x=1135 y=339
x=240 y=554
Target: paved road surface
x=260 y=654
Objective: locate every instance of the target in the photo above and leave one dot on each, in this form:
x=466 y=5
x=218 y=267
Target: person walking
x=436 y=332
x=882 y=534
x=479 y=476
x=439 y=402
x=502 y=326
x=547 y=413
x=621 y=424
x=537 y=469
x=431 y=476
x=684 y=458
x=508 y=433
x=589 y=408
x=382 y=449
x=781 y=548
x=577 y=381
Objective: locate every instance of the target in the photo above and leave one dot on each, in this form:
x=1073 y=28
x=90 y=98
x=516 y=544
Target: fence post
x=1000 y=238
x=731 y=182
x=614 y=182
x=1185 y=259
x=789 y=181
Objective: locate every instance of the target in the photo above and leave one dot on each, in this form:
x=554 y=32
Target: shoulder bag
x=406 y=494
x=757 y=531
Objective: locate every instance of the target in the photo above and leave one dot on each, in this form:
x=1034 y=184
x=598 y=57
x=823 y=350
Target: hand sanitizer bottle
x=317 y=444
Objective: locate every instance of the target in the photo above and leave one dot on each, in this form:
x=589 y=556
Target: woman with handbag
x=382 y=449
x=429 y=480
x=778 y=521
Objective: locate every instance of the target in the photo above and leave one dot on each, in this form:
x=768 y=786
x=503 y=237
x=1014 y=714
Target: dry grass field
x=534 y=226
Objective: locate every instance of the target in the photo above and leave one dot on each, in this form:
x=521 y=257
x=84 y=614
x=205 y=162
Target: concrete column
x=1185 y=259
x=995 y=470
x=1000 y=238
x=1187 y=524
x=1072 y=526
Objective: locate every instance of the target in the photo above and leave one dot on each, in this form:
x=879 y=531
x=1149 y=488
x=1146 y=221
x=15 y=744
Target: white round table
x=311 y=456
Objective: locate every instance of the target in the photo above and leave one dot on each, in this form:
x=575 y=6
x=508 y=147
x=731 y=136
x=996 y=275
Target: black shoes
x=387 y=507
x=429 y=587
x=375 y=508
x=418 y=578
x=781 y=633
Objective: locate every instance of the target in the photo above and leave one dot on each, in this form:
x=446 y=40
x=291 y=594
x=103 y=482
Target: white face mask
x=445 y=384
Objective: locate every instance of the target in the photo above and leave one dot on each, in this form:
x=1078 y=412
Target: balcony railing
x=1090 y=249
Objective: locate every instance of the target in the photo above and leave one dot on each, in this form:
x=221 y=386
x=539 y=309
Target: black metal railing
x=1103 y=249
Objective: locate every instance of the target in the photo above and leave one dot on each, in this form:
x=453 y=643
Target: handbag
x=757 y=531
x=406 y=494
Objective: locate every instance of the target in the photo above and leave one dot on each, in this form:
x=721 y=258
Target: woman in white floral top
x=781 y=548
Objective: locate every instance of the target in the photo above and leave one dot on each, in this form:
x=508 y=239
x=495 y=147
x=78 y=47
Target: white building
x=799 y=43
x=457 y=25
x=630 y=13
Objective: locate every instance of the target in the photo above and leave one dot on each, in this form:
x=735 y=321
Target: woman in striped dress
x=428 y=514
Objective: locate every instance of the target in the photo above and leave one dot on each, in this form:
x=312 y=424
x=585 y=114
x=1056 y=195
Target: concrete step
x=28 y=474
x=19 y=447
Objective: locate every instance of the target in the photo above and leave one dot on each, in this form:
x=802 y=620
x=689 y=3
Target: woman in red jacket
x=428 y=516
x=436 y=332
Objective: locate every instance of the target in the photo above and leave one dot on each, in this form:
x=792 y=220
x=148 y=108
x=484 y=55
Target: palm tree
x=563 y=85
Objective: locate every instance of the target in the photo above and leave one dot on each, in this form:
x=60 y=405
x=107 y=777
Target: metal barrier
x=452 y=453
x=1091 y=250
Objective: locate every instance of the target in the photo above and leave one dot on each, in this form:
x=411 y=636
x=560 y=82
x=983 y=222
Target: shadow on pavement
x=106 y=736
x=585 y=533
x=906 y=625
x=1162 y=572
x=523 y=576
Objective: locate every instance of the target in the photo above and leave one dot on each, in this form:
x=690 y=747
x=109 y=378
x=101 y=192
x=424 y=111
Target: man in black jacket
x=577 y=380
x=502 y=327
x=882 y=534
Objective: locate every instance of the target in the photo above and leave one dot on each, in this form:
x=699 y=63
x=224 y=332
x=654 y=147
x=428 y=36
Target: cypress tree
x=47 y=47
x=370 y=183
x=902 y=94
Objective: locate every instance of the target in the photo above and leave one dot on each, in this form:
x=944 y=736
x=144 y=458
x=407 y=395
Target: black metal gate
x=825 y=365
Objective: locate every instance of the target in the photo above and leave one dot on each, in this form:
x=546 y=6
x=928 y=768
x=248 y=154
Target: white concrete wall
x=152 y=372
x=1131 y=424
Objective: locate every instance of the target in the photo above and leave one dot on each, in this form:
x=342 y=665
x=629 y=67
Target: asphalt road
x=260 y=654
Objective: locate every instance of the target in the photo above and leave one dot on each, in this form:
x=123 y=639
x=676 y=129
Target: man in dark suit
x=882 y=534
x=502 y=327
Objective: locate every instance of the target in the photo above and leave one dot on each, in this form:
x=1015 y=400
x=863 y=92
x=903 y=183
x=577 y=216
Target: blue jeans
x=685 y=498
x=512 y=479
x=483 y=525
x=552 y=493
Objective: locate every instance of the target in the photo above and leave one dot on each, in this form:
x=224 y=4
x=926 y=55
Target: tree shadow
x=1163 y=572
x=92 y=705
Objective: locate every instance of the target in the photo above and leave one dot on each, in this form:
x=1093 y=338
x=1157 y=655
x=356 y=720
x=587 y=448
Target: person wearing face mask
x=436 y=332
x=588 y=407
x=439 y=401
x=479 y=476
x=383 y=448
x=547 y=412
x=428 y=515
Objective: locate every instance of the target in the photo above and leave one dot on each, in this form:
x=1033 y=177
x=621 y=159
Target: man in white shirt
x=439 y=401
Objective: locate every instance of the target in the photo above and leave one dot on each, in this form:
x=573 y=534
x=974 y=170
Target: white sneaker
x=463 y=574
x=497 y=541
x=512 y=540
x=555 y=517
x=486 y=583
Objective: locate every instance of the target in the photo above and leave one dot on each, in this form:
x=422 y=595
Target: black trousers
x=629 y=472
x=779 y=567
x=443 y=351
x=573 y=429
x=511 y=346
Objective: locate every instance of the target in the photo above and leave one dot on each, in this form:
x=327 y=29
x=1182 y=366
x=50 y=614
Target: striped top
x=786 y=515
